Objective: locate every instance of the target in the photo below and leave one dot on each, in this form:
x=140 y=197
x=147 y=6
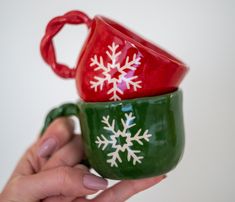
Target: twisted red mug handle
x=47 y=47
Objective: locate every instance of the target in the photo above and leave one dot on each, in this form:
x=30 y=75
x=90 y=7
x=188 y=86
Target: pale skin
x=50 y=171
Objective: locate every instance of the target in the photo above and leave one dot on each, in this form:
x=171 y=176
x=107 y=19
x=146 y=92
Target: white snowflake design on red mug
x=128 y=140
x=131 y=81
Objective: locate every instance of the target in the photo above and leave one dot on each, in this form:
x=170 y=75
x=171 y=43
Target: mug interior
x=140 y=40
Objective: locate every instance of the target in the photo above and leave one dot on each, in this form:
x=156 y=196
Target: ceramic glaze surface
x=114 y=63
x=130 y=139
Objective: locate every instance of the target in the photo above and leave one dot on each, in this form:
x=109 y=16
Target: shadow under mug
x=130 y=139
x=114 y=63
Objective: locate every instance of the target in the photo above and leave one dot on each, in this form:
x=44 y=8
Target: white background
x=200 y=32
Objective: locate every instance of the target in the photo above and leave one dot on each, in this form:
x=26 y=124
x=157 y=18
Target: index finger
x=56 y=136
x=127 y=188
x=69 y=155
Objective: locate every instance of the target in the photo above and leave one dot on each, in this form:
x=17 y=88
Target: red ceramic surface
x=114 y=63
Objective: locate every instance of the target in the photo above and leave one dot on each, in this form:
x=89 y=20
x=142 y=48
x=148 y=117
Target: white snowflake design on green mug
x=132 y=155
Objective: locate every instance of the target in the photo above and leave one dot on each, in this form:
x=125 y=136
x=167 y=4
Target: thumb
x=65 y=181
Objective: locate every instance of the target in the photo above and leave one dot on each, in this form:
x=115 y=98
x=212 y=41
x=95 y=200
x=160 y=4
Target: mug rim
x=135 y=39
x=139 y=99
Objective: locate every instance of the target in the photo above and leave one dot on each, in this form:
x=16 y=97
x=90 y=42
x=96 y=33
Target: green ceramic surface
x=130 y=139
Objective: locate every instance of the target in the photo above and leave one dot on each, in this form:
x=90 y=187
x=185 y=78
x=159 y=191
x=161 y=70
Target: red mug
x=114 y=63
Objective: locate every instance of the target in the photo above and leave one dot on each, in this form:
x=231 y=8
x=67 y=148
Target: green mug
x=130 y=139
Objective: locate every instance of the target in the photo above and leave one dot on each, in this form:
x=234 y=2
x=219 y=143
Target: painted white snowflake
x=115 y=74
x=127 y=143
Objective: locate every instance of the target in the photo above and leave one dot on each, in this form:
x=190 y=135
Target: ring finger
x=69 y=155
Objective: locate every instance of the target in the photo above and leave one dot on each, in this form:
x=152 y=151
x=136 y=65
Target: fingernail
x=71 y=122
x=94 y=182
x=159 y=178
x=83 y=167
x=47 y=148
x=162 y=177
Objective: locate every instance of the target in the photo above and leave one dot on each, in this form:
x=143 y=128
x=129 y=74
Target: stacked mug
x=130 y=110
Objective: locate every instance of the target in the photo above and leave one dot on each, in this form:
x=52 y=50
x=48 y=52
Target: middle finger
x=69 y=155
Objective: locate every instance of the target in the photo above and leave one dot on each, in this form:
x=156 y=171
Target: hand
x=50 y=172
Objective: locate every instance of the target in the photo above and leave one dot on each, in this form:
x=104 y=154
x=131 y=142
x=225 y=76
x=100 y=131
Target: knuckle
x=63 y=176
x=33 y=159
x=13 y=188
x=69 y=181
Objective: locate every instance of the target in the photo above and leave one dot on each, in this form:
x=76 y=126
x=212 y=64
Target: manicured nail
x=71 y=123
x=83 y=167
x=159 y=178
x=47 y=148
x=164 y=176
x=94 y=182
